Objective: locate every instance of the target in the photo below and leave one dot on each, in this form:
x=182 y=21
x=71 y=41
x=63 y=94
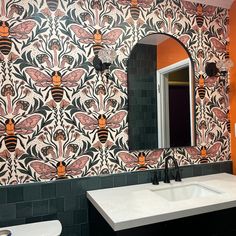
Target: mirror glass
x=160 y=94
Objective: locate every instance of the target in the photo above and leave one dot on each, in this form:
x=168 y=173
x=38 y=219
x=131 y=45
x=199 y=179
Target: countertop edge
x=171 y=216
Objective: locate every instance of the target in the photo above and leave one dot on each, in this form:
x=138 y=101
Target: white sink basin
x=185 y=192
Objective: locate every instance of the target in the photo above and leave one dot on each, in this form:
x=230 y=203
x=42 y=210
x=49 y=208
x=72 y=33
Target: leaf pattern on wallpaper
x=68 y=120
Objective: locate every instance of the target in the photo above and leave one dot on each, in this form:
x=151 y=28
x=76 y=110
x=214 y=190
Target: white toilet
x=45 y=228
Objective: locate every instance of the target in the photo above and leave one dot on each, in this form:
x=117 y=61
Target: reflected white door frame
x=163 y=102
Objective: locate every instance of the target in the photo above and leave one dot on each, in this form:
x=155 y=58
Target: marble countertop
x=138 y=205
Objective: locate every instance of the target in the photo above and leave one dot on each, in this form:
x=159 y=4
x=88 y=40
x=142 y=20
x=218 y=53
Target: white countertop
x=135 y=205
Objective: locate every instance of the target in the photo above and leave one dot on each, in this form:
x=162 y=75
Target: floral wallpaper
x=61 y=118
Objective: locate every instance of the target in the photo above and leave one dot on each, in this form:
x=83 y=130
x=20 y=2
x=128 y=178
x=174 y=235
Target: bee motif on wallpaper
x=201 y=11
x=56 y=81
x=52 y=4
x=11 y=129
x=8 y=34
x=141 y=161
x=60 y=170
x=102 y=124
x=97 y=38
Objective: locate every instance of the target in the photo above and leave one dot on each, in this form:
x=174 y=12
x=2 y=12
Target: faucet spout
x=166 y=171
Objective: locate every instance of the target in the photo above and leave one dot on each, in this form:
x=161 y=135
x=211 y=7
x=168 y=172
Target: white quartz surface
x=136 y=205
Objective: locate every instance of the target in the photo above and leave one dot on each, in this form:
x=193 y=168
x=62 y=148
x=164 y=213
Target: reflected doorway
x=174 y=105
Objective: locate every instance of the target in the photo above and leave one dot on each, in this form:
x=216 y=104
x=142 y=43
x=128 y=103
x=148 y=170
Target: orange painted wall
x=232 y=36
x=169 y=52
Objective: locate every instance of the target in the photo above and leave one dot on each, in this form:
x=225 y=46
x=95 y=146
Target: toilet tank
x=44 y=228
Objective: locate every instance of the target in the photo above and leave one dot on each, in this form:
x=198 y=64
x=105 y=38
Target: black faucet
x=166 y=171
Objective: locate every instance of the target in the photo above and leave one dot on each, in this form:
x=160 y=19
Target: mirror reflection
x=160 y=94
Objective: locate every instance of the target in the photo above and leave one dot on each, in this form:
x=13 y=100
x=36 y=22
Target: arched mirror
x=160 y=94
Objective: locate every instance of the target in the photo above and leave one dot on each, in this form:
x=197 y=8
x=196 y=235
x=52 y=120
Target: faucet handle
x=155 y=179
x=166 y=176
x=177 y=176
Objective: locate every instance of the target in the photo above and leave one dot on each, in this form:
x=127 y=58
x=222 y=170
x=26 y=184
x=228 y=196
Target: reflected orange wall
x=170 y=52
x=233 y=82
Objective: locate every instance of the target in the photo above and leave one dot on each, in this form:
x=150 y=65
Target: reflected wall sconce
x=103 y=59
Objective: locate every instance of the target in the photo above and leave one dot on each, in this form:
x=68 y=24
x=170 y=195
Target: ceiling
x=154 y=39
x=219 y=3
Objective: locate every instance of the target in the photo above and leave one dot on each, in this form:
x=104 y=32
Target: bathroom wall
x=56 y=125
x=51 y=95
x=232 y=37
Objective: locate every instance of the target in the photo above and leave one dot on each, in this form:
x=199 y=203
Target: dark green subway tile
x=8 y=211
x=49 y=217
x=33 y=219
x=132 y=178
x=74 y=230
x=32 y=192
x=90 y=183
x=106 y=181
x=143 y=177
x=24 y=210
x=226 y=167
x=83 y=201
x=76 y=187
x=85 y=230
x=63 y=188
x=80 y=216
x=40 y=208
x=56 y=205
x=3 y=195
x=15 y=194
x=186 y=171
x=120 y=180
x=71 y=203
x=197 y=170
x=48 y=190
x=7 y=222
x=207 y=169
x=215 y=168
x=66 y=218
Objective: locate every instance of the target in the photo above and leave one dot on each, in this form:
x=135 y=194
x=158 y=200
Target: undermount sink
x=185 y=192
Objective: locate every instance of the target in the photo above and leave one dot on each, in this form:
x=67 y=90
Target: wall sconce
x=103 y=59
x=221 y=67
